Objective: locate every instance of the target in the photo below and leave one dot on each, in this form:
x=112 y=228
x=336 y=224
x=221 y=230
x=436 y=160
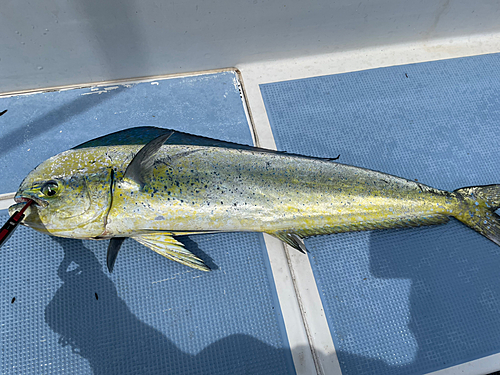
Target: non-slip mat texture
x=409 y=300
x=62 y=313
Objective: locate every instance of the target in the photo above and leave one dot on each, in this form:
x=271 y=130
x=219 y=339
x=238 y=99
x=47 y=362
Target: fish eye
x=49 y=188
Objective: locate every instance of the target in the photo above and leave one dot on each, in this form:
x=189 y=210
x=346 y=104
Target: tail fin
x=478 y=205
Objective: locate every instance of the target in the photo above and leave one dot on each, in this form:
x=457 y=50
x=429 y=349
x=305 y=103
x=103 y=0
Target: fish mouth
x=20 y=199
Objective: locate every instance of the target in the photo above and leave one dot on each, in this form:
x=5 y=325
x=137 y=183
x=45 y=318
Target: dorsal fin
x=142 y=135
x=144 y=160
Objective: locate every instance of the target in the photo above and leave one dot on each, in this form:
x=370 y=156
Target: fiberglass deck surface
x=62 y=312
x=409 y=300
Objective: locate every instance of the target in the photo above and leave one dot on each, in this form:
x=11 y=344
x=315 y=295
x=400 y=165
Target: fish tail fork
x=477 y=209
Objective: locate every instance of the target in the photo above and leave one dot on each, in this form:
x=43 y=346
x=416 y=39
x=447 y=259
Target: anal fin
x=164 y=244
x=290 y=238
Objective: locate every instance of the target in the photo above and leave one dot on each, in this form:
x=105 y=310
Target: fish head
x=71 y=198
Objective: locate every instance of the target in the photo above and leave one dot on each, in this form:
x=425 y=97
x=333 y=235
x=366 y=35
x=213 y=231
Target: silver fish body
x=193 y=188
x=154 y=191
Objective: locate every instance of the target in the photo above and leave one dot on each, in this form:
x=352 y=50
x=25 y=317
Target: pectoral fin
x=144 y=159
x=164 y=244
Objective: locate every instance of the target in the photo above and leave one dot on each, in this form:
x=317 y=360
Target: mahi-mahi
x=153 y=184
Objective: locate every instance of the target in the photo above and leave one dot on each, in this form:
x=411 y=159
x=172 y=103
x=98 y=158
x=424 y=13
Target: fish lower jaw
x=15 y=207
x=23 y=200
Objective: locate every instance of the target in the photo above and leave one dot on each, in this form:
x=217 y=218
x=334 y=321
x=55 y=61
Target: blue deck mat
x=61 y=312
x=405 y=301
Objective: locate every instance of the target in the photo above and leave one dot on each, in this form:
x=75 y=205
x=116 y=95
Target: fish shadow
x=96 y=323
